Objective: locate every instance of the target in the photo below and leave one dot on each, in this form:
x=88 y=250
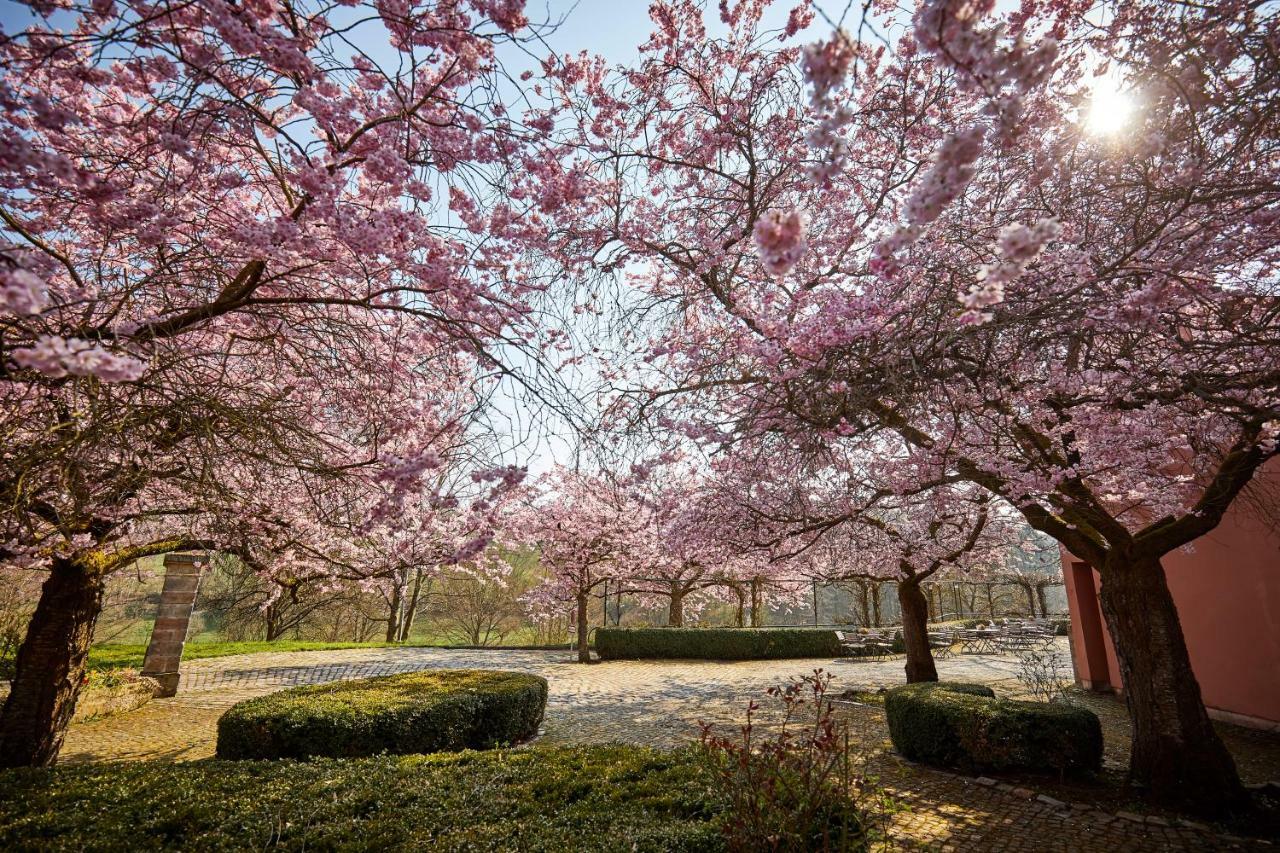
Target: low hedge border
x=716 y=643
x=600 y=798
x=414 y=712
x=965 y=726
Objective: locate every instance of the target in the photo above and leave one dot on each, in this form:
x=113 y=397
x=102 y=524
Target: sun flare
x=1110 y=109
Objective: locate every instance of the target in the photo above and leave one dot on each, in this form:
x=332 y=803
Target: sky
x=613 y=29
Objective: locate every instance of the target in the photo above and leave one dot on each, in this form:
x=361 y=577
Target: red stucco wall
x=1227 y=591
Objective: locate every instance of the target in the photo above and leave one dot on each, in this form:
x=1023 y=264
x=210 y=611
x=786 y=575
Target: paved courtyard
x=656 y=703
x=659 y=703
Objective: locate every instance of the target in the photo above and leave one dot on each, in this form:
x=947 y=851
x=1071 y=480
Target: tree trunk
x=864 y=605
x=406 y=623
x=915 y=632
x=1043 y=599
x=275 y=623
x=740 y=615
x=875 y=604
x=50 y=666
x=584 y=652
x=757 y=617
x=1031 y=597
x=1175 y=752
x=991 y=603
x=675 y=614
x=393 y=617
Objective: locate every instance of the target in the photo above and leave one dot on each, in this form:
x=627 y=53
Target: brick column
x=177 y=599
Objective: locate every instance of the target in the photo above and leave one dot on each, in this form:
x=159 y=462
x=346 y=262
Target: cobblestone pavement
x=659 y=703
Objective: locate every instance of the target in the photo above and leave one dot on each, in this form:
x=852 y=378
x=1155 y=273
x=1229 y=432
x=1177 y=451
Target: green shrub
x=965 y=726
x=536 y=799
x=716 y=643
x=431 y=711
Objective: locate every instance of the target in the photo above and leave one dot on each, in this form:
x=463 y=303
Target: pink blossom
x=780 y=240
x=22 y=291
x=59 y=357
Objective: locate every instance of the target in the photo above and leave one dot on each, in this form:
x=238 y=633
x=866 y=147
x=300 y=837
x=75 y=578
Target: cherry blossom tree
x=228 y=232
x=579 y=524
x=818 y=509
x=934 y=249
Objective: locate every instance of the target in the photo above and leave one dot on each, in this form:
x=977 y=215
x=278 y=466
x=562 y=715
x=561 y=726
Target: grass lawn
x=130 y=655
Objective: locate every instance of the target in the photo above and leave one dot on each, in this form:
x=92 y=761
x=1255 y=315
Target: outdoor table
x=979 y=641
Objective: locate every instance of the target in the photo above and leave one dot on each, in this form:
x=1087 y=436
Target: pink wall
x=1227 y=591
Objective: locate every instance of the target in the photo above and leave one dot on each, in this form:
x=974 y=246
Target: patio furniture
x=942 y=643
x=869 y=645
x=979 y=641
x=851 y=644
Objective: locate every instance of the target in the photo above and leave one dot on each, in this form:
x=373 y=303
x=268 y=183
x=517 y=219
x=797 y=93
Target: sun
x=1110 y=109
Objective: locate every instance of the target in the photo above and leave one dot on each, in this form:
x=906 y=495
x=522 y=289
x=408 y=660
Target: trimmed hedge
x=716 y=643
x=965 y=726
x=539 y=799
x=430 y=711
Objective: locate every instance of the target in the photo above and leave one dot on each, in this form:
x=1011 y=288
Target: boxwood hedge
x=535 y=799
x=965 y=726
x=716 y=643
x=430 y=711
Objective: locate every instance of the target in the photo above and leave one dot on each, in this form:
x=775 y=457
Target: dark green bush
x=716 y=643
x=431 y=711
x=965 y=726
x=535 y=799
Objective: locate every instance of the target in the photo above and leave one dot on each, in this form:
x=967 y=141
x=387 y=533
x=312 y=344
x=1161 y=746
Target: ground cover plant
x=543 y=799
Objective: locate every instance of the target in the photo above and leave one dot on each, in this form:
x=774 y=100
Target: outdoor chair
x=942 y=642
x=851 y=644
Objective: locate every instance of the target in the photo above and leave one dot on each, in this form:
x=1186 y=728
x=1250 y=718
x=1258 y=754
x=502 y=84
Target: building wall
x=1227 y=591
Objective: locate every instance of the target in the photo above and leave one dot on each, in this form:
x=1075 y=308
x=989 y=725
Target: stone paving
x=659 y=703
x=656 y=703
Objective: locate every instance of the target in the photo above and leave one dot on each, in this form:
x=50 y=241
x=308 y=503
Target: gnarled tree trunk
x=757 y=603
x=406 y=623
x=584 y=652
x=1176 y=754
x=50 y=666
x=864 y=602
x=393 y=616
x=675 y=614
x=915 y=632
x=1031 y=597
x=1043 y=598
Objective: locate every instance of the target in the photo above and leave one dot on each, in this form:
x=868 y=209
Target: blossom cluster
x=58 y=357
x=780 y=240
x=825 y=65
x=22 y=292
x=1019 y=245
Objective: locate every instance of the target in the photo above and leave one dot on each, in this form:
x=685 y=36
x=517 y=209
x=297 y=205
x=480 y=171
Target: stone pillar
x=177 y=600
